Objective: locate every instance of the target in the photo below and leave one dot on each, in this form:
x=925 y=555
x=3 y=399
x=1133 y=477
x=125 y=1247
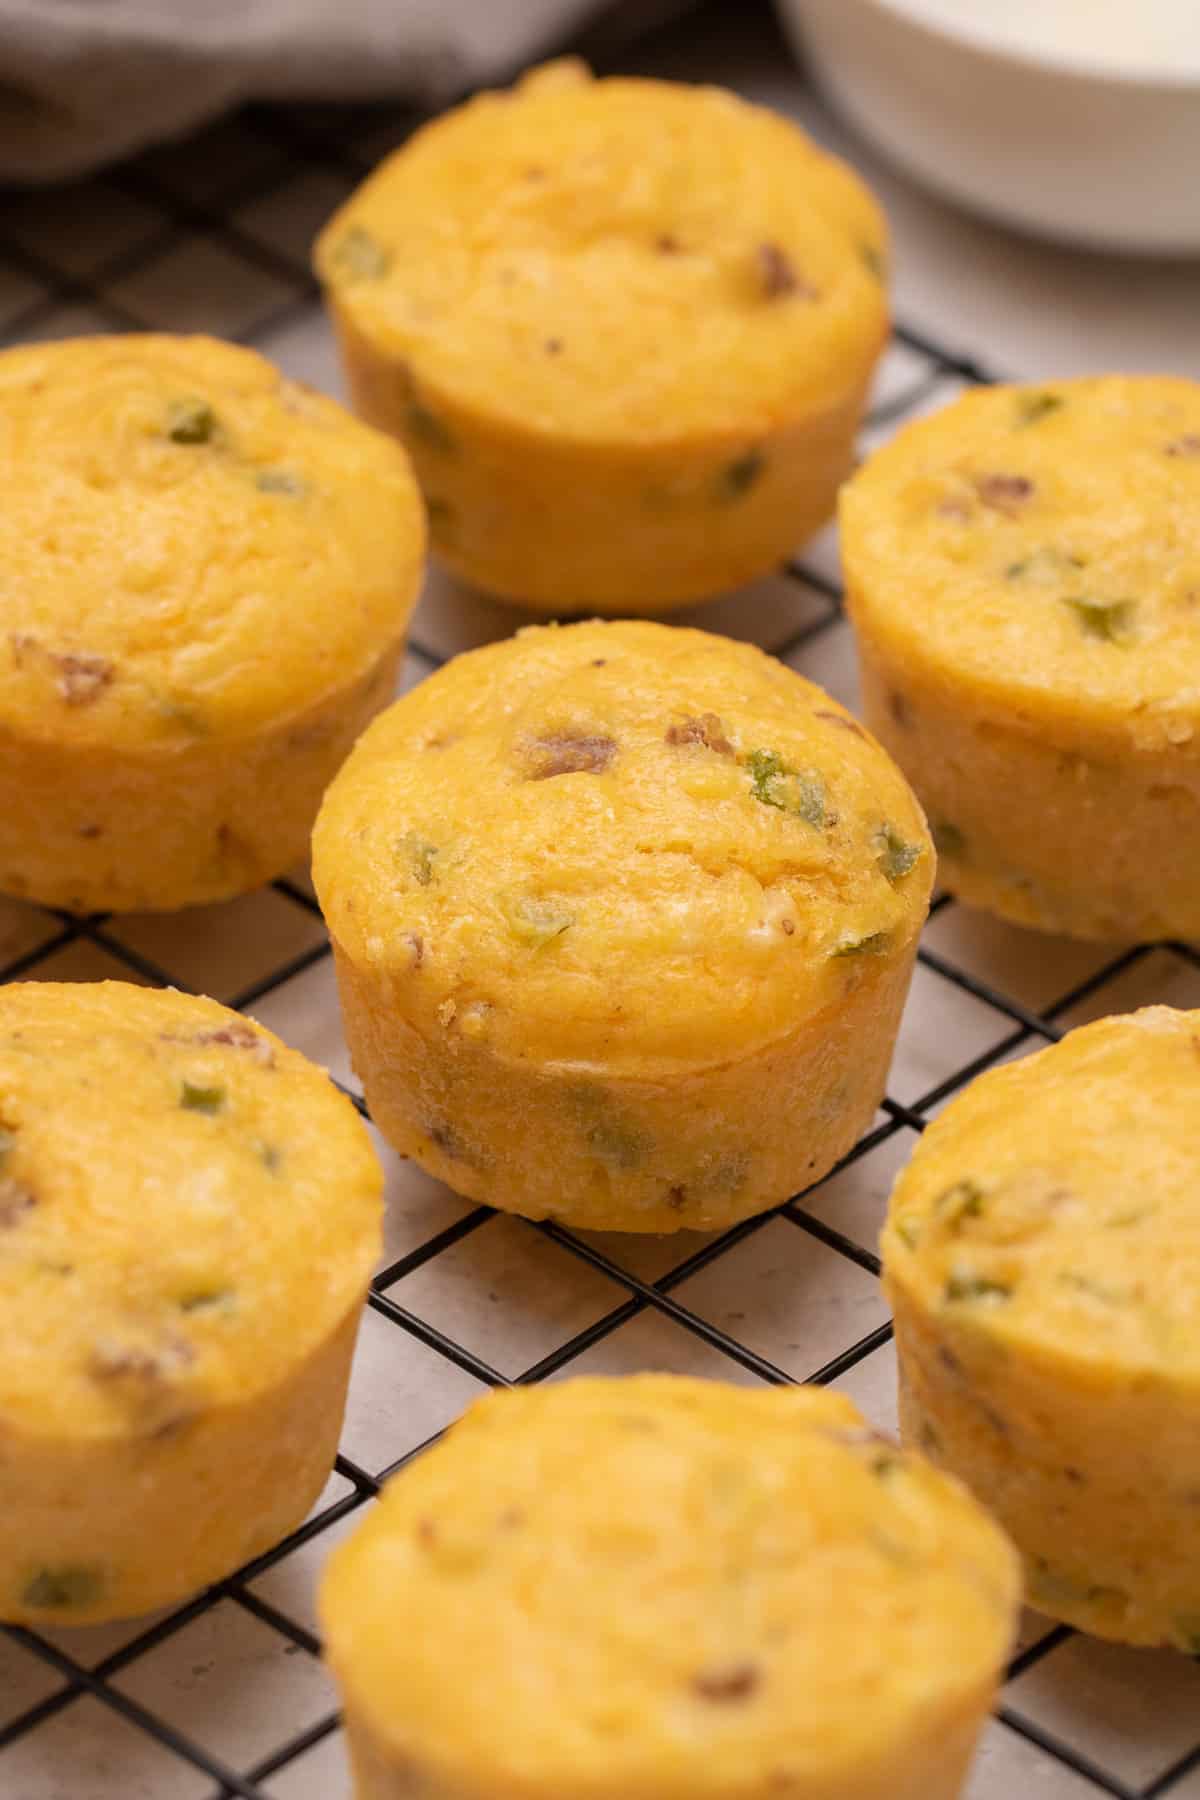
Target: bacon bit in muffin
x=1004 y=493
x=15 y=1202
x=847 y=724
x=707 y=730
x=237 y=1035
x=565 y=753
x=778 y=275
x=954 y=506
x=113 y=1361
x=240 y=1037
x=737 y=1681
x=82 y=678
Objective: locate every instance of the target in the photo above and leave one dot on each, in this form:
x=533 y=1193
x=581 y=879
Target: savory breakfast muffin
x=667 y=1589
x=624 y=918
x=1023 y=573
x=1042 y=1255
x=624 y=328
x=189 y=1215
x=208 y=574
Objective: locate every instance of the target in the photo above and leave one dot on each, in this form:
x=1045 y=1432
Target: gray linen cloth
x=83 y=82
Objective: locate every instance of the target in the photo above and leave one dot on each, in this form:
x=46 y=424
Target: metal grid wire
x=164 y=205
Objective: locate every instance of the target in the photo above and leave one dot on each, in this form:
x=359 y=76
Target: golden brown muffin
x=625 y=329
x=1023 y=573
x=208 y=574
x=667 y=1589
x=624 y=919
x=189 y=1215
x=1042 y=1255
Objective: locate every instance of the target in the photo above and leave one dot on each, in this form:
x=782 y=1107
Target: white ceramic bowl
x=1087 y=142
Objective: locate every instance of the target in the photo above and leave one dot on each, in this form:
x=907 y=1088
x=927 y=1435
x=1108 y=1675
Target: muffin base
x=124 y=1525
x=1094 y=1475
x=92 y=828
x=933 y=1769
x=697 y=1150
x=1052 y=823
x=569 y=527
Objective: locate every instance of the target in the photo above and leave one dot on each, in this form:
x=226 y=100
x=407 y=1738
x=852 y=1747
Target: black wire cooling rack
x=212 y=235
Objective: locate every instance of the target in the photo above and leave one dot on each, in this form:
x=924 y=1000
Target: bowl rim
x=974 y=33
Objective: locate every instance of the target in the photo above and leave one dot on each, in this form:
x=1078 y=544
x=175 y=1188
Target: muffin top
x=187 y=1209
x=669 y=1582
x=190 y=543
x=620 y=847
x=1043 y=542
x=615 y=260
x=1054 y=1204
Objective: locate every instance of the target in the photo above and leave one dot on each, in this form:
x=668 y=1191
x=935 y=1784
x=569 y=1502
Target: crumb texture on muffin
x=624 y=917
x=614 y=258
x=676 y=1588
x=624 y=328
x=1023 y=574
x=208 y=577
x=192 y=545
x=627 y=845
x=189 y=1214
x=1042 y=1254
